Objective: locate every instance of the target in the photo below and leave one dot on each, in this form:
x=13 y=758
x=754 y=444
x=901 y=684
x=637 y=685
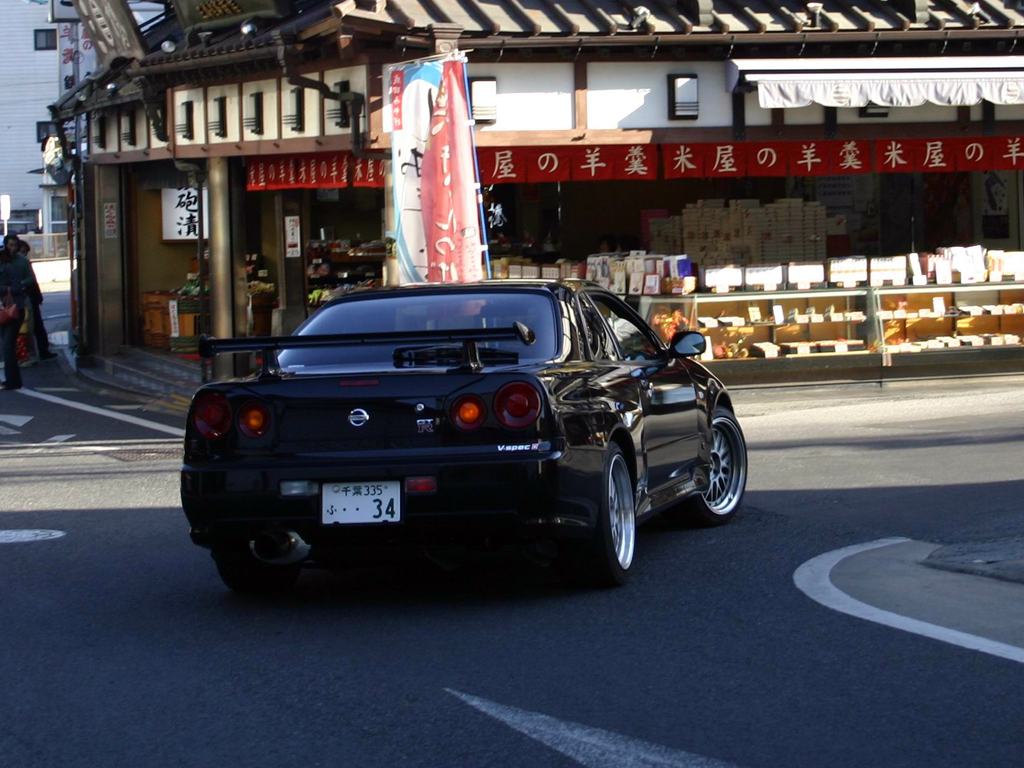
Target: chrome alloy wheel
x=728 y=467
x=621 y=512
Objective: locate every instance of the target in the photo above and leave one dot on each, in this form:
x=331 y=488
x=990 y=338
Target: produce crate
x=184 y=344
x=188 y=305
x=156 y=321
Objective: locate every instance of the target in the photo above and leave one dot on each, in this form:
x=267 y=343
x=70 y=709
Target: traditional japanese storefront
x=743 y=138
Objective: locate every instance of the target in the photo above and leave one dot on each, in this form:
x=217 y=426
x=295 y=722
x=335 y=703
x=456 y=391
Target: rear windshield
x=416 y=311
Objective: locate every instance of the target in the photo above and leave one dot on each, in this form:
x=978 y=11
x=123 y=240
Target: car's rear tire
x=728 y=476
x=605 y=558
x=244 y=574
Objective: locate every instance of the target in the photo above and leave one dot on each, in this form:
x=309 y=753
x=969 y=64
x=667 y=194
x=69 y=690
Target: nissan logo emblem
x=358 y=417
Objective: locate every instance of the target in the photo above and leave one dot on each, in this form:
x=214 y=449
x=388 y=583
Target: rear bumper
x=541 y=496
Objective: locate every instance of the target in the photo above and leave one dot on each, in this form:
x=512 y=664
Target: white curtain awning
x=888 y=82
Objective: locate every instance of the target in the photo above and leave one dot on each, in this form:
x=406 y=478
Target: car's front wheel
x=244 y=574
x=604 y=559
x=727 y=476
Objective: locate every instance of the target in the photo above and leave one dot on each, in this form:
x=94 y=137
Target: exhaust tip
x=279 y=547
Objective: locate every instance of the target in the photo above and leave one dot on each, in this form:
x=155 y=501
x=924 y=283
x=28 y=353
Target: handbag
x=9 y=310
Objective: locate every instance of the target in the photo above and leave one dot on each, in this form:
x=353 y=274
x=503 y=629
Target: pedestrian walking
x=35 y=295
x=16 y=279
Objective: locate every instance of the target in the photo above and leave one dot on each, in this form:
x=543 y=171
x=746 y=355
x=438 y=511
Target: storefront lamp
x=219 y=125
x=683 y=101
x=254 y=122
x=483 y=97
x=340 y=114
x=186 y=128
x=128 y=135
x=297 y=121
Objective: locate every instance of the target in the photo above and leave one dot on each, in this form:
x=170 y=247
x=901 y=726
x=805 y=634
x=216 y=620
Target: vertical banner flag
x=438 y=219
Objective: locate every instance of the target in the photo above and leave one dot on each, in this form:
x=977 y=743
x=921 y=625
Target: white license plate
x=375 y=502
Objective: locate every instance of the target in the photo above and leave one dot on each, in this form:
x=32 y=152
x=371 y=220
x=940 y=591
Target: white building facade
x=29 y=62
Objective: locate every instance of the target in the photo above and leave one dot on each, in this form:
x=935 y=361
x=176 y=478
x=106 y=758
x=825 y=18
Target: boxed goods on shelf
x=1005 y=264
x=968 y=263
x=888 y=269
x=764 y=277
x=848 y=270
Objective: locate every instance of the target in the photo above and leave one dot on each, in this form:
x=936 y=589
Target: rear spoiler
x=210 y=346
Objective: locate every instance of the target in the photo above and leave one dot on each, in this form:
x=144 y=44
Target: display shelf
x=843 y=320
x=909 y=320
x=781 y=325
x=787 y=295
x=952 y=288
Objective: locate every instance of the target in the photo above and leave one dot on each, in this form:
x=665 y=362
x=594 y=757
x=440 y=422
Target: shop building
x=843 y=181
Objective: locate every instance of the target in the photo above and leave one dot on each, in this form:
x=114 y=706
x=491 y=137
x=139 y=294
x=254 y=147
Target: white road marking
x=591 y=747
x=8 y=431
x=15 y=421
x=104 y=412
x=812 y=578
x=21 y=536
x=58 y=438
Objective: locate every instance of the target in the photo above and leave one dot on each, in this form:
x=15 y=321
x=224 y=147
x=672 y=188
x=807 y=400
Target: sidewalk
x=1002 y=559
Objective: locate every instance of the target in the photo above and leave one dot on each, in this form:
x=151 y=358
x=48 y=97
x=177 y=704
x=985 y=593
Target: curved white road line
x=813 y=579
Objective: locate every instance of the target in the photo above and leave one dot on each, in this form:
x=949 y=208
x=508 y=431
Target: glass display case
x=913 y=319
x=777 y=324
x=856 y=334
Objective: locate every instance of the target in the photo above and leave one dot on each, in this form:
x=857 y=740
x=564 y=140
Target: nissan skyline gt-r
x=545 y=414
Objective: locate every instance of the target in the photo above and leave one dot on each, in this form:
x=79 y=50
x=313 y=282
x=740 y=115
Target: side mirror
x=687 y=344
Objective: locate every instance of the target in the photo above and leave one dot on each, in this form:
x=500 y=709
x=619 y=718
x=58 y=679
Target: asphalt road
x=120 y=647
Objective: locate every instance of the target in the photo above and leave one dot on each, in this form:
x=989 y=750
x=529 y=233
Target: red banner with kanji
x=322 y=170
x=624 y=162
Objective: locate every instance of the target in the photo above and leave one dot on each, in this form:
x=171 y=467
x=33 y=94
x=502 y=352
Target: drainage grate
x=145 y=454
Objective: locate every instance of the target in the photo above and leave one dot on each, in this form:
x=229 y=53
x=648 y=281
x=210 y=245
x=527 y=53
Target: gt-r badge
x=520 y=447
x=357 y=417
x=424 y=425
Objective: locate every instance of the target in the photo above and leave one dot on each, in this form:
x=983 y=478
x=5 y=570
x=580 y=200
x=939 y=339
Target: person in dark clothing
x=16 y=278
x=35 y=295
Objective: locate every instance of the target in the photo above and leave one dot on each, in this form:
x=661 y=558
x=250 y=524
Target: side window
x=601 y=347
x=634 y=342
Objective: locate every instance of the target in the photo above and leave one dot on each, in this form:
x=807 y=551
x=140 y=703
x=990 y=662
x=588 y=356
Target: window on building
x=46 y=39
x=44 y=131
x=58 y=213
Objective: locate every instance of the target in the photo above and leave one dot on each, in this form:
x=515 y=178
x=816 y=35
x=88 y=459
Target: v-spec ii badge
x=519 y=448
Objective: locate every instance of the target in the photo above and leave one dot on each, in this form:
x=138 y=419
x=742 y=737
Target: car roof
x=571 y=284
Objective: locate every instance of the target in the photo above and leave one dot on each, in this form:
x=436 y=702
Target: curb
x=1002 y=560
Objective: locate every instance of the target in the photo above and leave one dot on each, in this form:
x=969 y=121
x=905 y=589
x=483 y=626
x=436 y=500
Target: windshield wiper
x=450 y=354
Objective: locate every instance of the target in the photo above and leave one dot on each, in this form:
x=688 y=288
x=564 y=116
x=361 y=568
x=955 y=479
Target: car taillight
x=469 y=412
x=254 y=419
x=517 y=405
x=212 y=415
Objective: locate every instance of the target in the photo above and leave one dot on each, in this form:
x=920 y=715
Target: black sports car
x=538 y=413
